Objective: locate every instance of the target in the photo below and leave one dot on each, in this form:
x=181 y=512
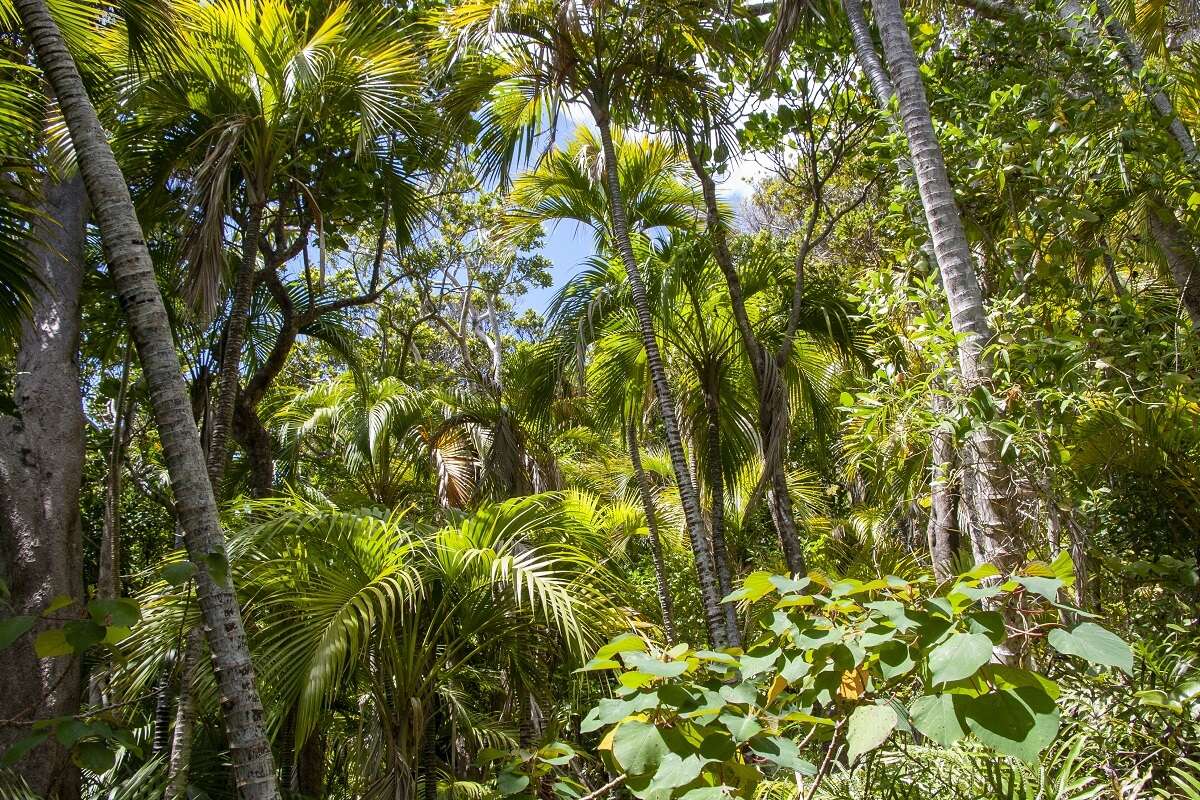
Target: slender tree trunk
x=660 y=569
x=943 y=510
x=706 y=574
x=108 y=577
x=716 y=488
x=773 y=421
x=180 y=764
x=41 y=469
x=992 y=538
x=128 y=258
x=231 y=353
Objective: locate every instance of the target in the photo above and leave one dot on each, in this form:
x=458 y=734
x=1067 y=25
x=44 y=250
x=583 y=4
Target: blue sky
x=567 y=244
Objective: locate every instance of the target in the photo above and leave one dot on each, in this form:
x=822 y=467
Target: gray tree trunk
x=231 y=353
x=773 y=422
x=716 y=489
x=992 y=538
x=660 y=569
x=706 y=574
x=943 y=508
x=41 y=467
x=128 y=258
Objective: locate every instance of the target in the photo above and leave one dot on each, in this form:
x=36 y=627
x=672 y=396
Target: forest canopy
x=581 y=399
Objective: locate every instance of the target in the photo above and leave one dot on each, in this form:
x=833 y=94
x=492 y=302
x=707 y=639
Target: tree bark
x=231 y=353
x=180 y=763
x=660 y=569
x=943 y=508
x=992 y=538
x=129 y=259
x=1174 y=242
x=706 y=574
x=716 y=489
x=108 y=576
x=773 y=421
x=41 y=469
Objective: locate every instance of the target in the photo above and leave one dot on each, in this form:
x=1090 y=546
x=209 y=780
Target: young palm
x=530 y=59
x=576 y=184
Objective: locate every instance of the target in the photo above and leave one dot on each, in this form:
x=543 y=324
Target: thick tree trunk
x=41 y=467
x=716 y=489
x=992 y=537
x=231 y=353
x=128 y=258
x=706 y=574
x=773 y=421
x=660 y=569
x=256 y=441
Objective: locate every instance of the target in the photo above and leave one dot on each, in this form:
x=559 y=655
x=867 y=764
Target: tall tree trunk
x=180 y=763
x=706 y=574
x=716 y=489
x=129 y=259
x=992 y=538
x=660 y=569
x=943 y=508
x=108 y=577
x=41 y=468
x=773 y=421
x=231 y=353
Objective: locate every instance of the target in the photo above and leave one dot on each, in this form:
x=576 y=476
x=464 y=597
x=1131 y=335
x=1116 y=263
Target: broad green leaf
x=1093 y=643
x=895 y=659
x=870 y=726
x=638 y=747
x=82 y=634
x=959 y=657
x=741 y=727
x=783 y=752
x=675 y=770
x=1016 y=722
x=22 y=746
x=626 y=643
x=1046 y=587
x=218 y=568
x=754 y=665
x=120 y=611
x=94 y=756
x=652 y=666
x=14 y=628
x=52 y=643
x=940 y=717
x=756 y=586
x=178 y=573
x=510 y=783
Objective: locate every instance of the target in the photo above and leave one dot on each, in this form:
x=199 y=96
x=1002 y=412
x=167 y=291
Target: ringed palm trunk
x=706 y=574
x=942 y=534
x=773 y=421
x=660 y=569
x=992 y=540
x=716 y=488
x=133 y=271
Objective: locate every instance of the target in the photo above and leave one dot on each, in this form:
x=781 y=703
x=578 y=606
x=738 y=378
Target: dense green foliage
x=596 y=413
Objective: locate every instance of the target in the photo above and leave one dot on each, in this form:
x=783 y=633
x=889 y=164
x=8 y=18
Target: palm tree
x=537 y=56
x=252 y=96
x=993 y=540
x=419 y=630
x=131 y=266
